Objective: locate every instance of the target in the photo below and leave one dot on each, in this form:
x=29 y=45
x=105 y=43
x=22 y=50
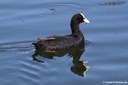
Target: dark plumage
x=67 y=41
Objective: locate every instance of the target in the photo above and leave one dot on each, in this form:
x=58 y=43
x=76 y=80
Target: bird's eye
x=80 y=17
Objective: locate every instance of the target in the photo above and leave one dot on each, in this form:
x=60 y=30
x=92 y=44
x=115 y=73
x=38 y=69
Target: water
x=103 y=61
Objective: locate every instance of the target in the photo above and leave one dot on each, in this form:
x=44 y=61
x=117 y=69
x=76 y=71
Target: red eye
x=80 y=17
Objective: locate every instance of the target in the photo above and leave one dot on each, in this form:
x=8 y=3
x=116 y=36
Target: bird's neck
x=75 y=29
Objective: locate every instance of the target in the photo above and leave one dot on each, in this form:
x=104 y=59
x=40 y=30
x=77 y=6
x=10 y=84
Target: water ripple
x=112 y=3
x=60 y=8
x=17 y=47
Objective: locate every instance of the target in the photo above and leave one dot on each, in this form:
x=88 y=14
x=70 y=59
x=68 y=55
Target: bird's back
x=58 y=42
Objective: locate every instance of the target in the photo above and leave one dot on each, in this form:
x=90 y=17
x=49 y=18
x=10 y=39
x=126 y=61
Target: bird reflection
x=79 y=67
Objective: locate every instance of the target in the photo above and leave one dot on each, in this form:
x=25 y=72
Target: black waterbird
x=62 y=42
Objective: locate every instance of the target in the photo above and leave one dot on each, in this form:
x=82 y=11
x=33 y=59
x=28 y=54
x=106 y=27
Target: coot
x=54 y=42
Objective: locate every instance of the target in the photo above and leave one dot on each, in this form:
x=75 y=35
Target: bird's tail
x=36 y=45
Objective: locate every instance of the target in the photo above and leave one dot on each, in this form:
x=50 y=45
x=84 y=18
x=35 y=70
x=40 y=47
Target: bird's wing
x=49 y=38
x=54 y=37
